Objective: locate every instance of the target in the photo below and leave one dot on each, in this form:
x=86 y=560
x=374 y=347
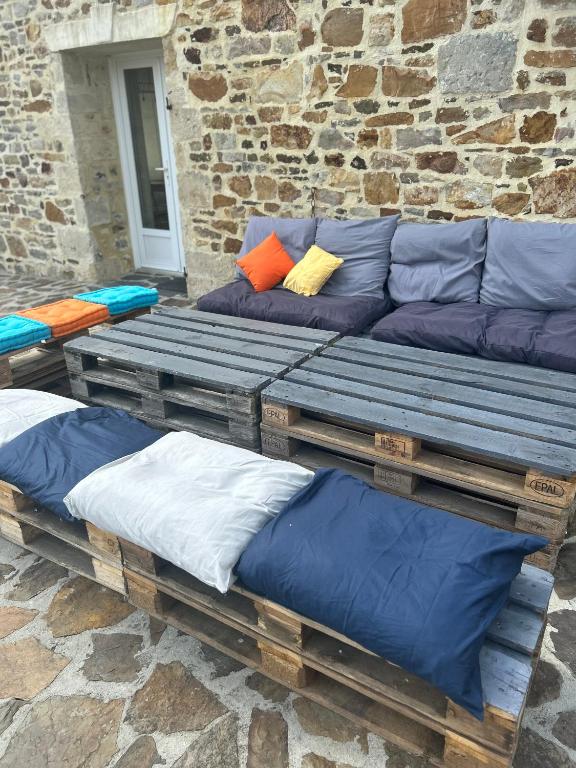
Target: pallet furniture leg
x=12 y=500
x=283 y=665
x=144 y=594
x=153 y=380
x=497 y=728
x=245 y=433
x=281 y=624
x=17 y=532
x=278 y=445
x=395 y=481
x=533 y=521
x=81 y=388
x=106 y=543
x=159 y=408
x=139 y=558
x=5 y=373
x=78 y=363
x=558 y=491
x=110 y=575
x=279 y=415
x=462 y=753
x=395 y=444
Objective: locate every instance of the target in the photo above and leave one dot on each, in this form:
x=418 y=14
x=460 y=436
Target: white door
x=140 y=106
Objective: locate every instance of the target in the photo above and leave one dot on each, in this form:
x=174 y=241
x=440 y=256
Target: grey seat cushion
x=365 y=247
x=437 y=262
x=346 y=315
x=535 y=337
x=296 y=235
x=530 y=265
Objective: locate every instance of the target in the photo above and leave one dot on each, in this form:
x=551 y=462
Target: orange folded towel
x=68 y=315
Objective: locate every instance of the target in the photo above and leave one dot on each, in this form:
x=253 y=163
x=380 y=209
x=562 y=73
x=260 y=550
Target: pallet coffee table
x=488 y=440
x=189 y=370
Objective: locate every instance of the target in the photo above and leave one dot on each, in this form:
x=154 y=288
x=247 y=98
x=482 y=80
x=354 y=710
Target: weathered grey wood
x=514 y=371
x=195 y=370
x=460 y=394
x=554 y=459
x=482 y=381
x=532 y=588
x=186 y=352
x=517 y=628
x=505 y=677
x=198 y=341
x=274 y=329
x=231 y=334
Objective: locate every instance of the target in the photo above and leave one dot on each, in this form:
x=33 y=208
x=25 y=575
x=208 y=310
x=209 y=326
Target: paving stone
x=267 y=740
x=565 y=729
x=8 y=711
x=546 y=684
x=398 y=758
x=142 y=753
x=536 y=752
x=480 y=63
x=27 y=667
x=12 y=619
x=215 y=748
x=113 y=659
x=316 y=761
x=66 y=732
x=223 y=665
x=564 y=638
x=268 y=689
x=39 y=576
x=319 y=721
x=173 y=700
x=82 y=604
x=565 y=584
x=6 y=571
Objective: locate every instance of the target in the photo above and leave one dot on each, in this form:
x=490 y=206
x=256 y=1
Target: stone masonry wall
x=440 y=109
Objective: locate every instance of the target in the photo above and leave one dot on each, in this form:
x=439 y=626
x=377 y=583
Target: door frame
x=117 y=64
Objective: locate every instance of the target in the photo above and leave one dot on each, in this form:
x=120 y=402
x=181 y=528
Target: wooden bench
x=302 y=654
x=42 y=366
x=188 y=370
x=492 y=441
x=79 y=546
x=336 y=672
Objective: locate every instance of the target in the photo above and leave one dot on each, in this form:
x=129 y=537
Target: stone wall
x=440 y=109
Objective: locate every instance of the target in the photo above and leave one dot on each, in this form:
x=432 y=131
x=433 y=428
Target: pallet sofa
x=500 y=289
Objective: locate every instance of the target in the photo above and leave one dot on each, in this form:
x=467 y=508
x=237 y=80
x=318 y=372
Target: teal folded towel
x=122 y=298
x=18 y=332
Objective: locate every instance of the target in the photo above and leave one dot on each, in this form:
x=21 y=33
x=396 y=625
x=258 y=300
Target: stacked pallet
x=302 y=654
x=490 y=441
x=78 y=546
x=188 y=370
x=42 y=366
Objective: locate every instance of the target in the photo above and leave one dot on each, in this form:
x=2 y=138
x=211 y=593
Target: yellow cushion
x=309 y=275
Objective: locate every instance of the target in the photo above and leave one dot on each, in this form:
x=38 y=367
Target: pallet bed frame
x=307 y=657
x=484 y=440
x=43 y=366
x=189 y=370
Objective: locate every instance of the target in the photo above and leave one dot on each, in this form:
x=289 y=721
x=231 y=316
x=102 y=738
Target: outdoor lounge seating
x=499 y=289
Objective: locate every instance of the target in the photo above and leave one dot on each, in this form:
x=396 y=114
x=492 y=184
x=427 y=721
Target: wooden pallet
x=189 y=370
x=79 y=546
x=334 y=671
x=490 y=441
x=42 y=365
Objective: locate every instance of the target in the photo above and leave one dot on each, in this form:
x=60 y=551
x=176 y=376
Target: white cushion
x=21 y=409
x=195 y=502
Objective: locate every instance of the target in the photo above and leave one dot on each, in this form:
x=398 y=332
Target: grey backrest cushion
x=365 y=247
x=296 y=235
x=437 y=262
x=530 y=265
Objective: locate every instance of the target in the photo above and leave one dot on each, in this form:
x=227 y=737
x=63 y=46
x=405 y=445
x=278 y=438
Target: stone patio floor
x=86 y=681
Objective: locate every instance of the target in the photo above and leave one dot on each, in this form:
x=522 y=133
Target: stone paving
x=87 y=681
x=22 y=291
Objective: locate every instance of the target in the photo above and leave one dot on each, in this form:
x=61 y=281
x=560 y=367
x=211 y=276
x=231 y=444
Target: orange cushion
x=68 y=315
x=267 y=264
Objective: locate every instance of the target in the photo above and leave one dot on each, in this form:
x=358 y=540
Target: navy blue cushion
x=544 y=339
x=414 y=584
x=46 y=461
x=344 y=314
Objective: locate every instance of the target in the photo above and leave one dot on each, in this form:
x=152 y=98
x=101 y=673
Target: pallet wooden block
x=327 y=667
x=490 y=441
x=80 y=546
x=189 y=370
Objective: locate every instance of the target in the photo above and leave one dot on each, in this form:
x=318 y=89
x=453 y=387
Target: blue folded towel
x=18 y=332
x=123 y=298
